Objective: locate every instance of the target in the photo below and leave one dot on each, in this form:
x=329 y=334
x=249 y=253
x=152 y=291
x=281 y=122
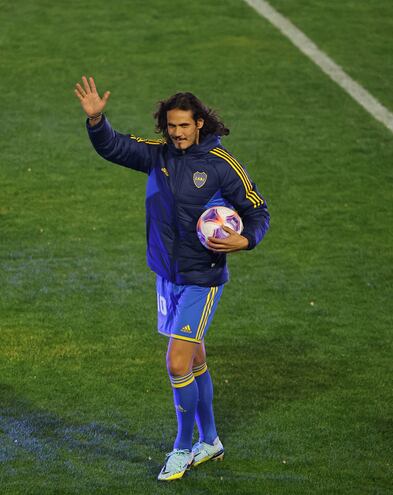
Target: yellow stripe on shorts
x=206 y=312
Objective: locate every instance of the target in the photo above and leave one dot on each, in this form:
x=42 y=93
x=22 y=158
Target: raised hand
x=90 y=100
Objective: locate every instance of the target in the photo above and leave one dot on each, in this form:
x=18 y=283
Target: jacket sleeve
x=120 y=148
x=242 y=193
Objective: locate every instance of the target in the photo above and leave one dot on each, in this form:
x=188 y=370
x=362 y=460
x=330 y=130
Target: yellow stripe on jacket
x=251 y=195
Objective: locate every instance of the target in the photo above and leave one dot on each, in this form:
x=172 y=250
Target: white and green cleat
x=176 y=464
x=205 y=452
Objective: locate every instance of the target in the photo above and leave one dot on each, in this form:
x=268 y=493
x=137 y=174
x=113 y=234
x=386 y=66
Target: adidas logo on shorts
x=186 y=329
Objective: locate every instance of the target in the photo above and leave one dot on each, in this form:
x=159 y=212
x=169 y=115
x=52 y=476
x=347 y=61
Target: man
x=188 y=171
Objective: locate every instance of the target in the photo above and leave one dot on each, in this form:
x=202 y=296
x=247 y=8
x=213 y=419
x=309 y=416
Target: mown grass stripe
x=328 y=66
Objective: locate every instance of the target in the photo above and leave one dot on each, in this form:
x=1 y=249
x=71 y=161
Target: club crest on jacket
x=199 y=179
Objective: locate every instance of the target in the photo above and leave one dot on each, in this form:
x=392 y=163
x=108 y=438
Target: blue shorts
x=185 y=311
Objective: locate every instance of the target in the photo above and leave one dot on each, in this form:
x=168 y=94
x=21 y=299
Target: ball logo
x=199 y=179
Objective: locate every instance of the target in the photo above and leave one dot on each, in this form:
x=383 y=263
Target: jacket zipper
x=177 y=182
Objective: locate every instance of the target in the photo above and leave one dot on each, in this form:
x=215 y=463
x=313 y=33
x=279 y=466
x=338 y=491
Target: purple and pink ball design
x=211 y=221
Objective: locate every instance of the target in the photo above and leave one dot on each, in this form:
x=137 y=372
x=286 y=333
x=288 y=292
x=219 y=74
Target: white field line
x=334 y=71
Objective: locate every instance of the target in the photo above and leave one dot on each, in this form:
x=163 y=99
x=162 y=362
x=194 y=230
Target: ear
x=199 y=123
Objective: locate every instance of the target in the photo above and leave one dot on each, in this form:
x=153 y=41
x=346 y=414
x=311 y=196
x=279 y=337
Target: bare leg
x=199 y=355
x=180 y=356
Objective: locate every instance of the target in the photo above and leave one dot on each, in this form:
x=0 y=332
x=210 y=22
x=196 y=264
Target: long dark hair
x=188 y=101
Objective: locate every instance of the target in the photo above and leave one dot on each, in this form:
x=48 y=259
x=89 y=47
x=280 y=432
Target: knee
x=177 y=366
x=179 y=357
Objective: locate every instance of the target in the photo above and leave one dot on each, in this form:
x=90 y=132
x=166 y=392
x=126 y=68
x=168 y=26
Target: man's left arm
x=243 y=195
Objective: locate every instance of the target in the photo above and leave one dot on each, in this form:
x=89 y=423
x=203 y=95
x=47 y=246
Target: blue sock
x=204 y=413
x=185 y=395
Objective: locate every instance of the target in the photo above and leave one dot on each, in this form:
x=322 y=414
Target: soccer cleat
x=176 y=464
x=205 y=452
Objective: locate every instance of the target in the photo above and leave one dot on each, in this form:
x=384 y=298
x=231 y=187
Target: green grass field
x=301 y=347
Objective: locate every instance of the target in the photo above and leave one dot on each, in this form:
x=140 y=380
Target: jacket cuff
x=251 y=241
x=96 y=127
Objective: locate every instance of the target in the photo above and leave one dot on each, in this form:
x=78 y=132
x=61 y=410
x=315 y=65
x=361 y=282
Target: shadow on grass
x=41 y=437
x=254 y=375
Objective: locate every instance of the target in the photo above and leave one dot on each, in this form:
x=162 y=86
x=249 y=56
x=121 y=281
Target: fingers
x=86 y=84
x=81 y=93
x=89 y=88
x=228 y=229
x=218 y=244
x=85 y=90
x=234 y=242
x=78 y=95
x=218 y=249
x=92 y=85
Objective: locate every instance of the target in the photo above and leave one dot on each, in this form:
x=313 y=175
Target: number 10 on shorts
x=161 y=304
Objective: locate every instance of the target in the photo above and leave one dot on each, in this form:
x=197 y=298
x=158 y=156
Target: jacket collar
x=209 y=142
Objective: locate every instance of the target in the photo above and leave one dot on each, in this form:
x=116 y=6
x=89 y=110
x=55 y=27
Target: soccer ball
x=210 y=222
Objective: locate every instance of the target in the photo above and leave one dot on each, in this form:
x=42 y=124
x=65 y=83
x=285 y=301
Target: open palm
x=90 y=100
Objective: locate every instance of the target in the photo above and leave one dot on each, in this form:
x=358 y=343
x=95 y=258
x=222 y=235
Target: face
x=182 y=128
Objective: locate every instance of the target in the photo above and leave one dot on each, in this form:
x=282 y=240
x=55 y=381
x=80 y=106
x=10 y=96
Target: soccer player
x=188 y=171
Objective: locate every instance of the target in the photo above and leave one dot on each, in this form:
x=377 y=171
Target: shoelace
x=176 y=451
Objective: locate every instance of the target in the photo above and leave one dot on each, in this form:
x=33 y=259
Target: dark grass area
x=300 y=349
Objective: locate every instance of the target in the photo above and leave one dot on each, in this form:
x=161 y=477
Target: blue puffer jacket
x=180 y=186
